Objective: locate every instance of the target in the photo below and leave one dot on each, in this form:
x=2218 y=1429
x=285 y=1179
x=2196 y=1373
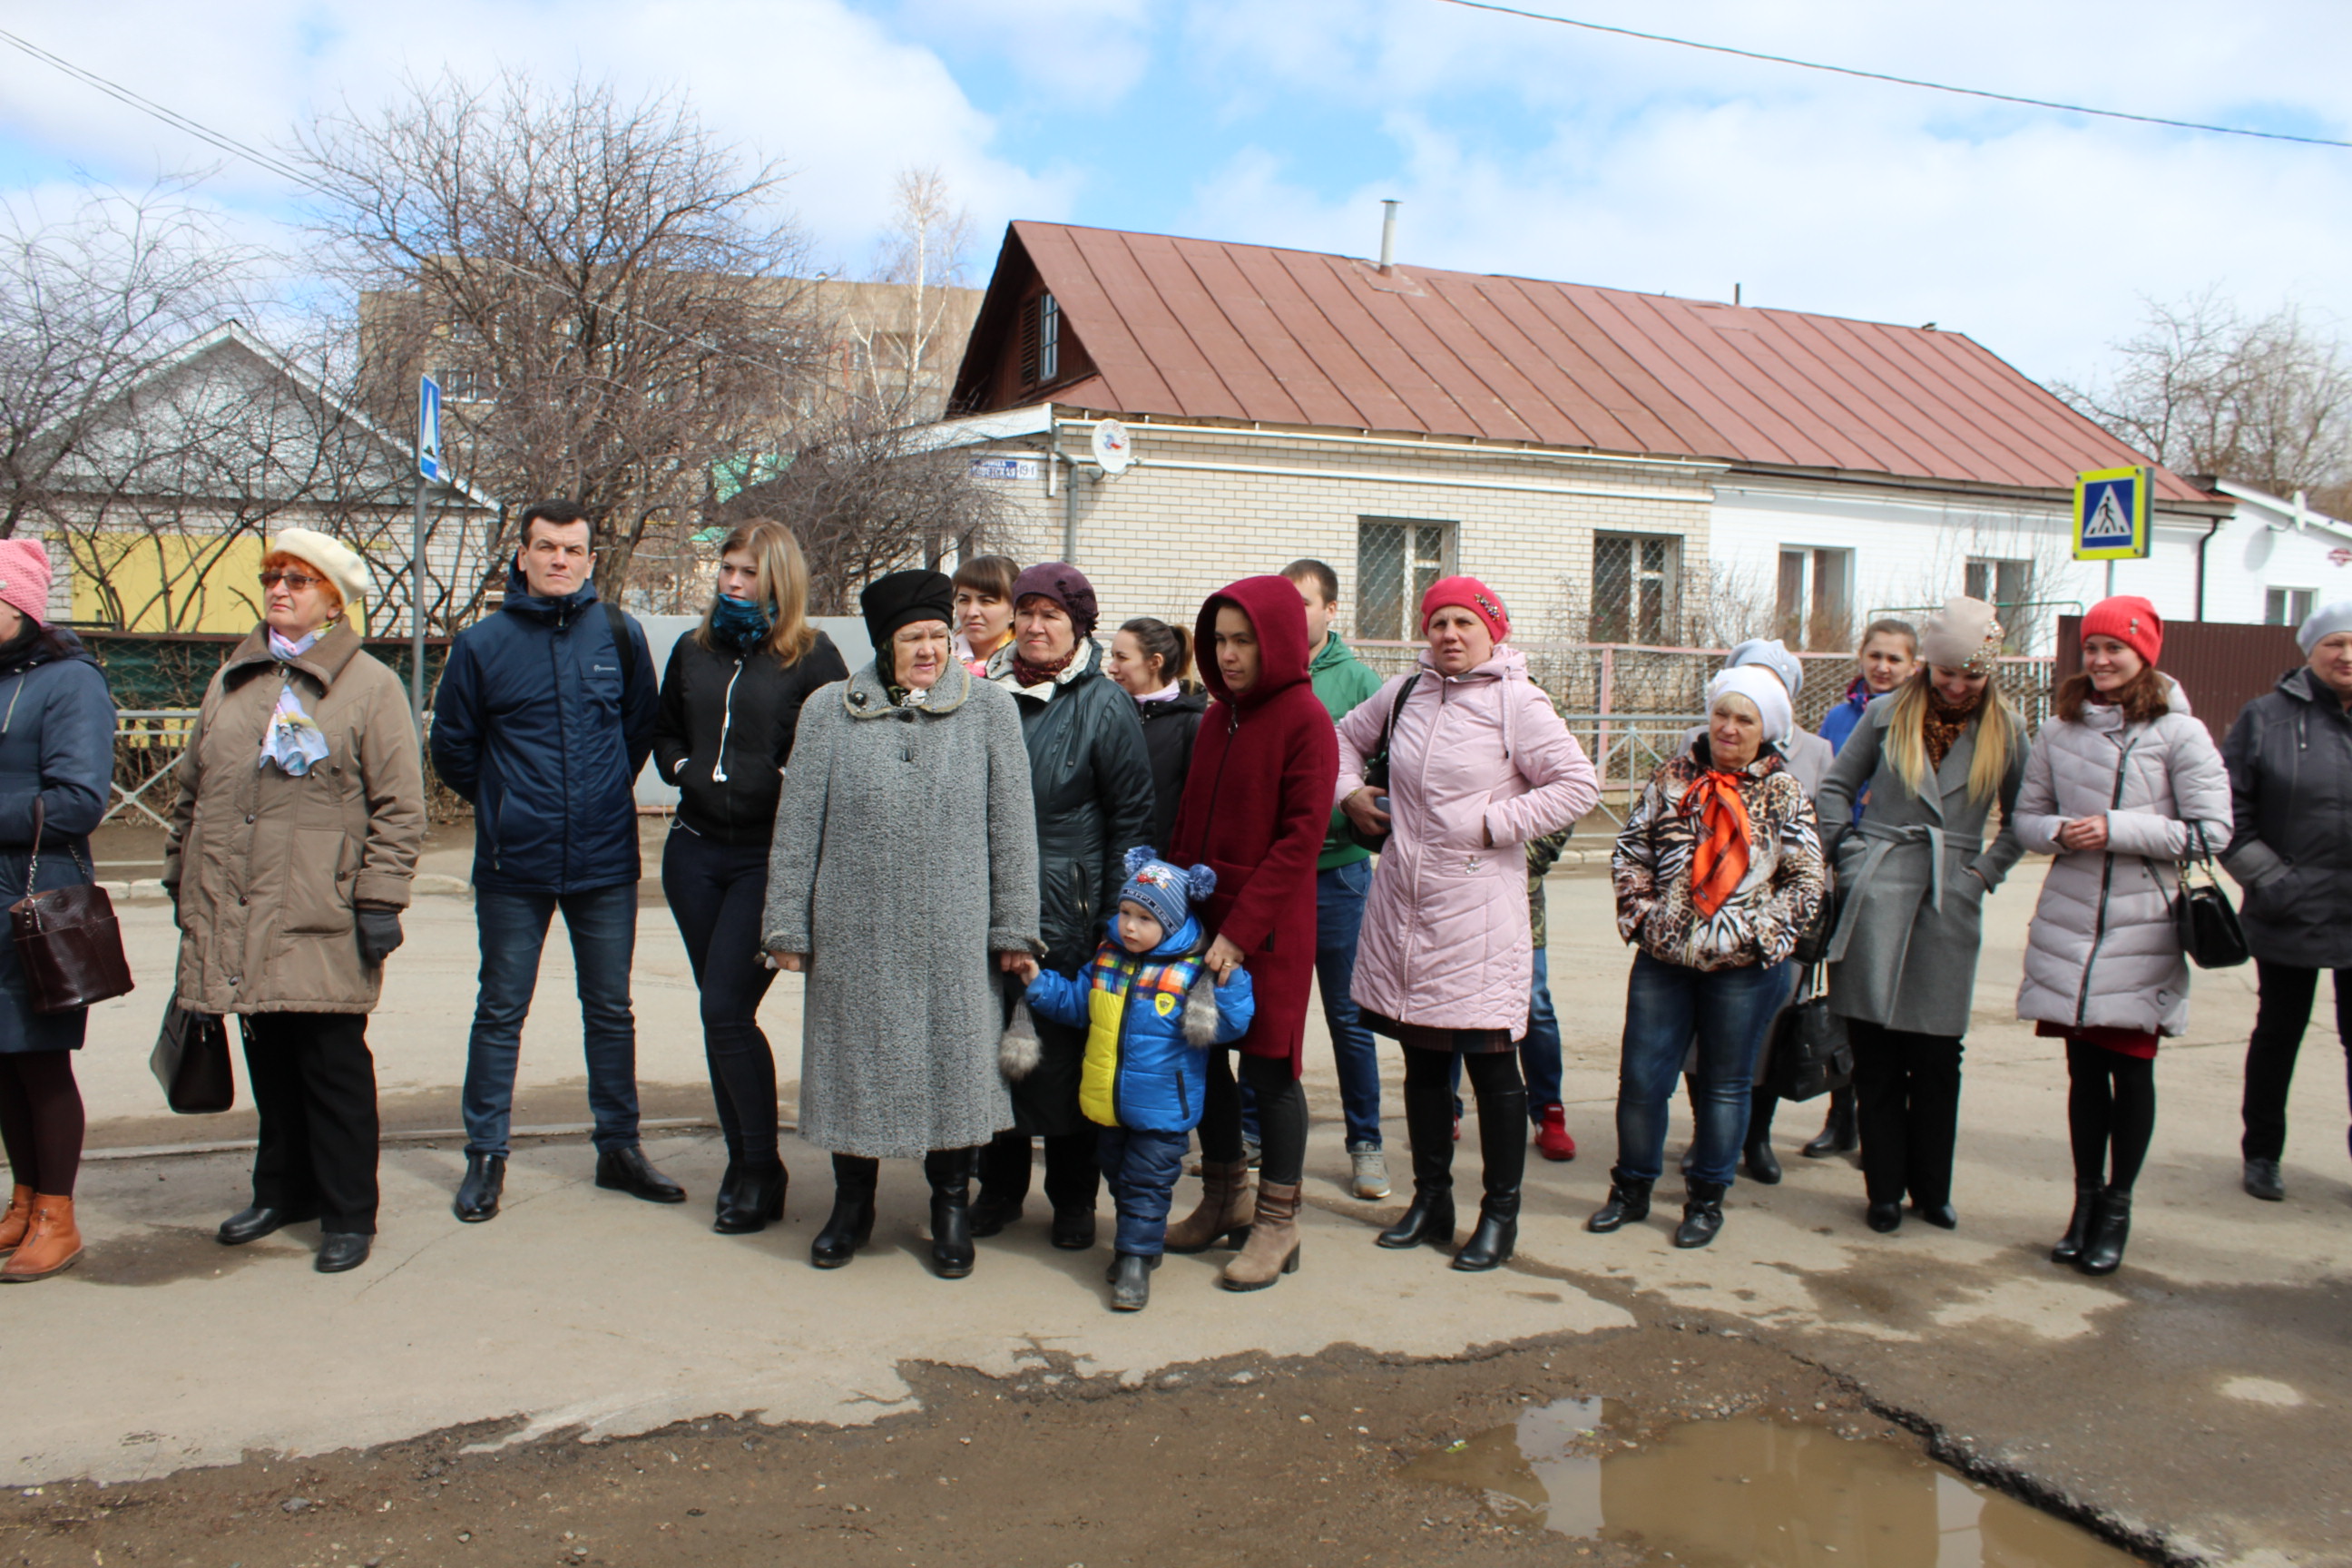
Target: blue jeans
x=512 y=927
x=1141 y=1168
x=1730 y=1009
x=1338 y=916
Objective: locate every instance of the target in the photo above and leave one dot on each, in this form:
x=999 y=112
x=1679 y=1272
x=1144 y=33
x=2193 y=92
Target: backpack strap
x=625 y=652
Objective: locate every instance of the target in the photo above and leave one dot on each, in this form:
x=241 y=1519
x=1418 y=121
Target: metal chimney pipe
x=1388 y=236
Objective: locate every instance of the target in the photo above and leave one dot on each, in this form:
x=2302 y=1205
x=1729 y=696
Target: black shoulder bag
x=1376 y=772
x=1808 y=1050
x=2207 y=923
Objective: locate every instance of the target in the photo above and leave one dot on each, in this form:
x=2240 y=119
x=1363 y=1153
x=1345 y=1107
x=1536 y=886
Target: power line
x=1886 y=77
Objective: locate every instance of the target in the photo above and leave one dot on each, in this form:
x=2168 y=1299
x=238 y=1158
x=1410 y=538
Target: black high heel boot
x=949 y=1171
x=851 y=1223
x=1429 y=1128
x=757 y=1197
x=1838 y=1135
x=1503 y=1148
x=2078 y=1229
x=2104 y=1252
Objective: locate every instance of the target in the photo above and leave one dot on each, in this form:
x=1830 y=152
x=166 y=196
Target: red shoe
x=1552 y=1141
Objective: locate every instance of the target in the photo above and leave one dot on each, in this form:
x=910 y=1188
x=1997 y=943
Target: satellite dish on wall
x=1112 y=451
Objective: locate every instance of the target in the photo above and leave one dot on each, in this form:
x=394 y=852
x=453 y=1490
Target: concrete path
x=2193 y=1395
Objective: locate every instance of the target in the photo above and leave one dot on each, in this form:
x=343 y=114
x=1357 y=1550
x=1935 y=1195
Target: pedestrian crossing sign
x=2111 y=513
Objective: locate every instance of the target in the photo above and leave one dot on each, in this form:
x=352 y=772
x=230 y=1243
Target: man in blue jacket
x=544 y=717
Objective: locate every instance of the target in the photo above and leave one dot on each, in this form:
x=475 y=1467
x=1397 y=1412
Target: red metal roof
x=1206 y=329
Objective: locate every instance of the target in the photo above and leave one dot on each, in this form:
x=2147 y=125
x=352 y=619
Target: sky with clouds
x=1516 y=146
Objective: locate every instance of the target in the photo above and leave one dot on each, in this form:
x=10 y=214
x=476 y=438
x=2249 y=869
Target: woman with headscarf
x=1717 y=872
x=1479 y=763
x=2124 y=785
x=293 y=846
x=903 y=880
x=1936 y=755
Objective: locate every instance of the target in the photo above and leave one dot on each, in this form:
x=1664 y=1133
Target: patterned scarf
x=1719 y=859
x=1029 y=674
x=1945 y=723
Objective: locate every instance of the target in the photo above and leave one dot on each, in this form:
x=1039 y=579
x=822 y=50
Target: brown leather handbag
x=68 y=940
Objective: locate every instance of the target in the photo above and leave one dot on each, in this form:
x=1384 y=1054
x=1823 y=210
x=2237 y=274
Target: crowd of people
x=1051 y=897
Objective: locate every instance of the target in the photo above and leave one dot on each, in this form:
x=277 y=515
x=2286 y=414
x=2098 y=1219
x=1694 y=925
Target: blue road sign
x=2112 y=513
x=428 y=431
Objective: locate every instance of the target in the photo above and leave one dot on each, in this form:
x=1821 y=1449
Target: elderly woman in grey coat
x=2123 y=784
x=900 y=904
x=1936 y=755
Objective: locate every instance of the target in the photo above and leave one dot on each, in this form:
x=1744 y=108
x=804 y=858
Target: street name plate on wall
x=1007 y=471
x=2111 y=513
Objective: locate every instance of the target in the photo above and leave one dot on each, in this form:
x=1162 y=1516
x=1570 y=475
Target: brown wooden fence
x=2222 y=666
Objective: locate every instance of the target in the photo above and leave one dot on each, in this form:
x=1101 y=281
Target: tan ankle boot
x=1273 y=1248
x=1224 y=1208
x=13 y=1224
x=51 y=1242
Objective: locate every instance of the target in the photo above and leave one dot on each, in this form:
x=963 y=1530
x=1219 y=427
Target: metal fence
x=148 y=744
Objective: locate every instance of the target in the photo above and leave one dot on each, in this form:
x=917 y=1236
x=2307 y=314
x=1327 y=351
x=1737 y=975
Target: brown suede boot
x=13 y=1224
x=1272 y=1250
x=1224 y=1211
x=51 y=1243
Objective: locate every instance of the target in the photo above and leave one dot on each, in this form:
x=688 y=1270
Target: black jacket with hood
x=2290 y=762
x=724 y=732
x=1169 y=730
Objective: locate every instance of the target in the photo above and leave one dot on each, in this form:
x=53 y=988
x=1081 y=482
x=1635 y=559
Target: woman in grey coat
x=901 y=904
x=2290 y=762
x=2123 y=784
x=1936 y=755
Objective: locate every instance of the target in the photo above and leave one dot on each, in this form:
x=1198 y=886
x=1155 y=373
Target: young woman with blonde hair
x=730 y=703
x=1936 y=755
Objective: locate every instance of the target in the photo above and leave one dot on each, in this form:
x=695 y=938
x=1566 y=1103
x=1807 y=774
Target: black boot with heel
x=2078 y=1228
x=1428 y=1127
x=851 y=1223
x=950 y=1173
x=1503 y=1150
x=2110 y=1228
x=753 y=1196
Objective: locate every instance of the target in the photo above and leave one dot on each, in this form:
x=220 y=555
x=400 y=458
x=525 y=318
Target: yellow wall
x=225 y=597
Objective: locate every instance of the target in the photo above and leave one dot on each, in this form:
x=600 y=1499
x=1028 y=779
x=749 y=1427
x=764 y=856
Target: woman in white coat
x=2122 y=783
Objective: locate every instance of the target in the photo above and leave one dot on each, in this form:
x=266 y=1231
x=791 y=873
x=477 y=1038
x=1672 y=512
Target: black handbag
x=2202 y=915
x=191 y=1061
x=1811 y=1055
x=68 y=943
x=1376 y=773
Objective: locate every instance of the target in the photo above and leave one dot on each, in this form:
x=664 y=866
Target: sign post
x=429 y=472
x=2112 y=510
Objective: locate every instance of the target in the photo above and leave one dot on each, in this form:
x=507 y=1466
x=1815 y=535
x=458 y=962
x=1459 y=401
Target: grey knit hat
x=1773 y=654
x=2325 y=621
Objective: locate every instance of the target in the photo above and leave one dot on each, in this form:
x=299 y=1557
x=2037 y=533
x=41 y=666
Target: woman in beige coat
x=293 y=844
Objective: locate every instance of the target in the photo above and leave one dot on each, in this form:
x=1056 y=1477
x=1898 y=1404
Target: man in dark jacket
x=544 y=717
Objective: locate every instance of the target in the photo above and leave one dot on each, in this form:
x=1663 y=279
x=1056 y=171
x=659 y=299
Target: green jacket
x=1341 y=680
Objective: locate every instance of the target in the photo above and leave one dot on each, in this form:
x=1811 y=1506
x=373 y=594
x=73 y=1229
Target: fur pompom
x=1018 y=1053
x=1140 y=857
x=1201 y=881
x=1201 y=1011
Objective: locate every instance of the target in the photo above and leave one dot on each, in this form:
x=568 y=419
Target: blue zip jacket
x=528 y=726
x=1839 y=723
x=1150 y=1019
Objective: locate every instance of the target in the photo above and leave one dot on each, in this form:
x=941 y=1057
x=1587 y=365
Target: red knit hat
x=1471 y=595
x=2131 y=621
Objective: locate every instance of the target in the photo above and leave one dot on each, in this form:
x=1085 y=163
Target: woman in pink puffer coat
x=1479 y=762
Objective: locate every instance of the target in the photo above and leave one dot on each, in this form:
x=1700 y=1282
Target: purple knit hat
x=1066 y=586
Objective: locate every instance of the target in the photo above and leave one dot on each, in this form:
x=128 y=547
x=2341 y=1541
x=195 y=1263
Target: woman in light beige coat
x=293 y=844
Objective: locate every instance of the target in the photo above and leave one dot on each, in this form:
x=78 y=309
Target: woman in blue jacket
x=1151 y=1011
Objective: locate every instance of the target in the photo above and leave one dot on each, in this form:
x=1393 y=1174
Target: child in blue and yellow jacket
x=1151 y=1012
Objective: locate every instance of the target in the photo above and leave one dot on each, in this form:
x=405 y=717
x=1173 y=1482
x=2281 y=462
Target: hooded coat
x=1257 y=807
x=2102 y=952
x=2290 y=760
x=529 y=726
x=57 y=749
x=1479 y=763
x=268 y=866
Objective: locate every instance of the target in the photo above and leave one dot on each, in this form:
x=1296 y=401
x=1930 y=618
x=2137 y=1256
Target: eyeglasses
x=295 y=581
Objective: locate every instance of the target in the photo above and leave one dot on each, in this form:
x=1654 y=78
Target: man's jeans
x=603 y=923
x=1729 y=1010
x=1338 y=916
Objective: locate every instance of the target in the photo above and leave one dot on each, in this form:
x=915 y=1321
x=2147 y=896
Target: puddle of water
x=1732 y=1494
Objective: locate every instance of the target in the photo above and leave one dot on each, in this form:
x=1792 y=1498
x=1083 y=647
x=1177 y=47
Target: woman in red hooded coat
x=1257 y=806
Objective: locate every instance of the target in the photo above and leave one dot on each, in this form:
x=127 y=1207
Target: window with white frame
x=2289 y=607
x=1397 y=560
x=1813 y=602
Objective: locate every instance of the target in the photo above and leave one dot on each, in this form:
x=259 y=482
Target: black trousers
x=314 y=1086
x=1073 y=1170
x=1281 y=1102
x=1907 y=1107
x=41 y=1120
x=2281 y=1016
x=718 y=894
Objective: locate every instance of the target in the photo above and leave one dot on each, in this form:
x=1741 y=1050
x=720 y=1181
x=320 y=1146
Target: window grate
x=1397 y=561
x=1636 y=588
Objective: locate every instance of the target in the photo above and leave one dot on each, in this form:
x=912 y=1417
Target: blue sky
x=1516 y=146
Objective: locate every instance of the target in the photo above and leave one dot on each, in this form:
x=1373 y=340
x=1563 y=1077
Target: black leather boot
x=1130 y=1282
x=2104 y=1252
x=1762 y=1164
x=253 y=1224
x=2263 y=1180
x=852 y=1221
x=1004 y=1175
x=1702 y=1215
x=1428 y=1220
x=1629 y=1204
x=478 y=1193
x=2078 y=1228
x=1838 y=1135
x=950 y=1171
x=757 y=1197
x=628 y=1170
x=1503 y=1149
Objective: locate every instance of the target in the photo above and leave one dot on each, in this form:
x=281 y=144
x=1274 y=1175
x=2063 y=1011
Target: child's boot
x=1130 y=1281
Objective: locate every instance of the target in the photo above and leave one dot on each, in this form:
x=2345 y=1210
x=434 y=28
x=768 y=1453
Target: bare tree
x=88 y=303
x=903 y=329
x=616 y=299
x=2204 y=389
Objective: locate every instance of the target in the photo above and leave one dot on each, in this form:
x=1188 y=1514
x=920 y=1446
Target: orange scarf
x=1719 y=861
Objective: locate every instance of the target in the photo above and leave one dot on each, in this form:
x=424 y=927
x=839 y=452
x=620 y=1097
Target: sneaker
x=1371 y=1169
x=1552 y=1139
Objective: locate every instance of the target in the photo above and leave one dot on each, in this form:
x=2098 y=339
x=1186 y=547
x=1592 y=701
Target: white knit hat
x=341 y=566
x=1756 y=683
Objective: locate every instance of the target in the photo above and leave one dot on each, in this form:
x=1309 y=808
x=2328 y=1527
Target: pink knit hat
x=24 y=576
